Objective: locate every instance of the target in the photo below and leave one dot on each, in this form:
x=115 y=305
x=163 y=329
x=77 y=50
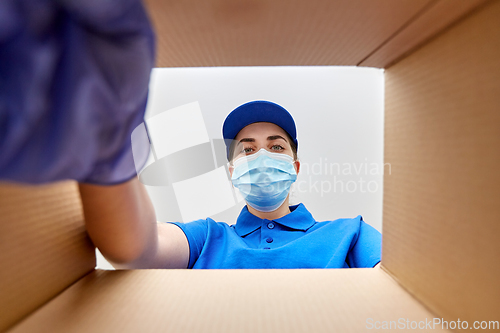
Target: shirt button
x=269 y=240
x=270 y=225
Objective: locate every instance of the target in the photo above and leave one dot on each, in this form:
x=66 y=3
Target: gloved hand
x=74 y=78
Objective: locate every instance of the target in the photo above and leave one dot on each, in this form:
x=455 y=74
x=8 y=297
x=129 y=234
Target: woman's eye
x=277 y=147
x=247 y=150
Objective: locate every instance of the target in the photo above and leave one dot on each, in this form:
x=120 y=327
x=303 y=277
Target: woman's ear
x=231 y=169
x=296 y=164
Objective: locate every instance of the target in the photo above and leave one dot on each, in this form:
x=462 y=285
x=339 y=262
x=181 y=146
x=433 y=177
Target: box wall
x=275 y=33
x=442 y=139
x=44 y=247
x=228 y=301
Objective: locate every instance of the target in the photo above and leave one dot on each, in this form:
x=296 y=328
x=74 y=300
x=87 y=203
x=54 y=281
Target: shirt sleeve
x=196 y=233
x=366 y=251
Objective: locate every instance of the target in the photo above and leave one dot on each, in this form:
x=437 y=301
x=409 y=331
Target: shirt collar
x=299 y=218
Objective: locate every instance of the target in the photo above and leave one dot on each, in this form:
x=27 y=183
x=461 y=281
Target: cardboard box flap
x=330 y=300
x=433 y=19
x=43 y=246
x=274 y=33
x=442 y=139
x=298 y=33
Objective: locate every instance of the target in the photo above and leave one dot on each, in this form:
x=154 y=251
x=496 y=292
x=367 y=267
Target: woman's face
x=256 y=136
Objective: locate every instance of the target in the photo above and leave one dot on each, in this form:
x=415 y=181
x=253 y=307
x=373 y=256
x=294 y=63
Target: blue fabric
x=74 y=80
x=294 y=241
x=264 y=179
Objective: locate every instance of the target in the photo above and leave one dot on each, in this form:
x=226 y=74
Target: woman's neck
x=282 y=210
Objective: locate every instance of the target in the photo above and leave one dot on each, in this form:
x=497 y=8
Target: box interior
x=440 y=252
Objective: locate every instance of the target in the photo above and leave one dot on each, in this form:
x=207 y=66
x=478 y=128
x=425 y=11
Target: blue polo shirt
x=295 y=240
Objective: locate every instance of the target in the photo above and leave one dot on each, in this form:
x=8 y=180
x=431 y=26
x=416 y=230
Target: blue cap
x=254 y=112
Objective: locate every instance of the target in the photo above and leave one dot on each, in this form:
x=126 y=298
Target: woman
x=262 y=149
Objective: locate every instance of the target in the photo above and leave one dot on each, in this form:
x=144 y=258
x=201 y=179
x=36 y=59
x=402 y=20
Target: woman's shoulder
x=353 y=222
x=207 y=223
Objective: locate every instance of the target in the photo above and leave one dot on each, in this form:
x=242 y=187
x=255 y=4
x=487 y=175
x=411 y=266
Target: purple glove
x=74 y=80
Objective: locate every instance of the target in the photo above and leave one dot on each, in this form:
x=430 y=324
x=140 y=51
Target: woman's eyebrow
x=269 y=138
x=275 y=137
x=247 y=140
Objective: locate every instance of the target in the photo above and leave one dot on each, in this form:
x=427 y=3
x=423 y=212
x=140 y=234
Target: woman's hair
x=290 y=141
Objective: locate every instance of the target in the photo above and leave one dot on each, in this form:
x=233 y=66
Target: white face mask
x=264 y=179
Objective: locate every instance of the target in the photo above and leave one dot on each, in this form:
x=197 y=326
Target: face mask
x=264 y=179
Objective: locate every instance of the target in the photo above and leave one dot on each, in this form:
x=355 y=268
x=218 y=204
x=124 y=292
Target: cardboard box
x=441 y=252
